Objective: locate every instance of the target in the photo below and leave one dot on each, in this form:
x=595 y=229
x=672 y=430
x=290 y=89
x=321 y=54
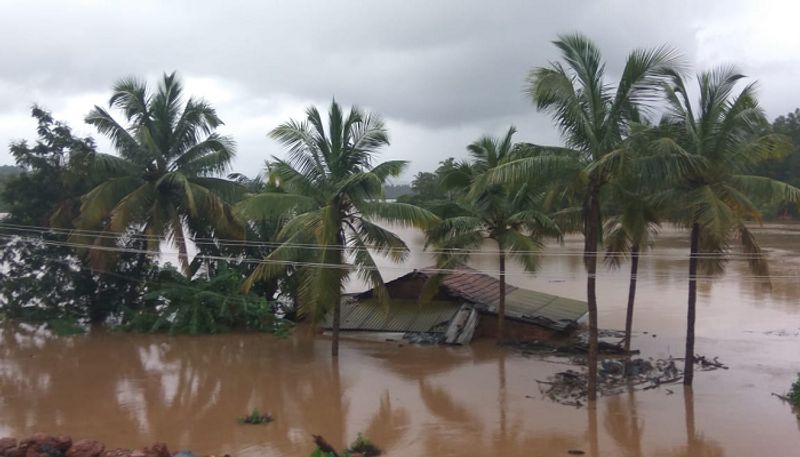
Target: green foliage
x=332 y=194
x=255 y=418
x=165 y=177
x=362 y=446
x=7 y=173
x=785 y=168
x=429 y=189
x=720 y=139
x=64 y=327
x=794 y=392
x=201 y=306
x=43 y=280
x=511 y=216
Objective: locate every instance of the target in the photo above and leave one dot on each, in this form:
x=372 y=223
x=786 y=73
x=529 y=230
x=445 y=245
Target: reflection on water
x=132 y=390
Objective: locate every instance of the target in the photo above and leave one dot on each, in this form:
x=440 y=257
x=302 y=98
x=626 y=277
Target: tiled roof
x=552 y=311
x=472 y=285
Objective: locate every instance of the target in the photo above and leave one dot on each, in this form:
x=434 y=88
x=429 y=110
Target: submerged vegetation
x=361 y=447
x=255 y=418
x=87 y=230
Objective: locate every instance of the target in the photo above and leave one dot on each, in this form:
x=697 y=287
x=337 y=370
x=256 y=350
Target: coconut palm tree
x=507 y=215
x=163 y=182
x=595 y=117
x=721 y=137
x=632 y=222
x=333 y=194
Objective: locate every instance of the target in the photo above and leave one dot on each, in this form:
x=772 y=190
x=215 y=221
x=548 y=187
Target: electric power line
x=41 y=230
x=348 y=267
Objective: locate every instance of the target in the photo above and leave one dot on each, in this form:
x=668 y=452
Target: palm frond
x=401 y=214
x=268 y=205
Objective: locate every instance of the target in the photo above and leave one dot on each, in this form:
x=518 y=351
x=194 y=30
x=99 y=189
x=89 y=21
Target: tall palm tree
x=630 y=228
x=164 y=180
x=507 y=215
x=721 y=138
x=334 y=196
x=595 y=117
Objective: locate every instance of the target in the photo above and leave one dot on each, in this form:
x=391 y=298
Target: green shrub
x=65 y=327
x=200 y=306
x=794 y=392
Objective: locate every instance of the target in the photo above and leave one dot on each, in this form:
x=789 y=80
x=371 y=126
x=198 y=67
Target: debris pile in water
x=613 y=377
x=41 y=445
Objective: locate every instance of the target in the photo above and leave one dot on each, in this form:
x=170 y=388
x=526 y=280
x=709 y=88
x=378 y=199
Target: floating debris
x=617 y=376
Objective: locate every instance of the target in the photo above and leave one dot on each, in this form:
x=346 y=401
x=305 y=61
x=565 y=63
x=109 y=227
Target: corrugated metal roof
x=402 y=316
x=552 y=311
x=549 y=310
x=472 y=286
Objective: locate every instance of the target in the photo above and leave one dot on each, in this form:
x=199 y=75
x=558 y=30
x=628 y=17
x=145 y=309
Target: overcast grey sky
x=441 y=72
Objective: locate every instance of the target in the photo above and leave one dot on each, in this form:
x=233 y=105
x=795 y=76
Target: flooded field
x=131 y=390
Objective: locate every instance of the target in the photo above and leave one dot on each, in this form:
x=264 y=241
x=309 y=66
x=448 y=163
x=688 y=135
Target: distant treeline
x=786 y=168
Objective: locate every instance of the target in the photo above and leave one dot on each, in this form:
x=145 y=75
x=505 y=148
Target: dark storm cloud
x=444 y=71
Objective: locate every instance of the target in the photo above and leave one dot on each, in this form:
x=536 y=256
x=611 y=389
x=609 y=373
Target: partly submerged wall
x=515 y=330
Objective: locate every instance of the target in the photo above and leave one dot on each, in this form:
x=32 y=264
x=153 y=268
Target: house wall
x=515 y=330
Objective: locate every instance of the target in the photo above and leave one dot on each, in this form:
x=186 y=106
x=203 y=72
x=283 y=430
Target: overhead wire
x=223 y=242
x=349 y=267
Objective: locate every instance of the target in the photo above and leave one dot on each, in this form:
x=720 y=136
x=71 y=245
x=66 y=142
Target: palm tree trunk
x=688 y=364
x=592 y=223
x=594 y=438
x=691 y=434
x=183 y=254
x=337 y=317
x=501 y=307
x=631 y=297
x=337 y=298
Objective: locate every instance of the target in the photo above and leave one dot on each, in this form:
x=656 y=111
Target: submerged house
x=464 y=308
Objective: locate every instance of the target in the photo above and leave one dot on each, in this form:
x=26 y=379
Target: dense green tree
x=202 y=305
x=333 y=193
x=164 y=181
x=430 y=189
x=7 y=173
x=509 y=216
x=785 y=168
x=595 y=118
x=43 y=278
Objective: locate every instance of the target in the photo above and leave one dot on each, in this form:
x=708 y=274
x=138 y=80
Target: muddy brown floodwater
x=131 y=390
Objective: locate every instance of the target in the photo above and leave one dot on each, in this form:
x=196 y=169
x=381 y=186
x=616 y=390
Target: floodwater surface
x=132 y=390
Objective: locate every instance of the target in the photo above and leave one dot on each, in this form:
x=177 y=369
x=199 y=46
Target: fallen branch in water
x=782 y=397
